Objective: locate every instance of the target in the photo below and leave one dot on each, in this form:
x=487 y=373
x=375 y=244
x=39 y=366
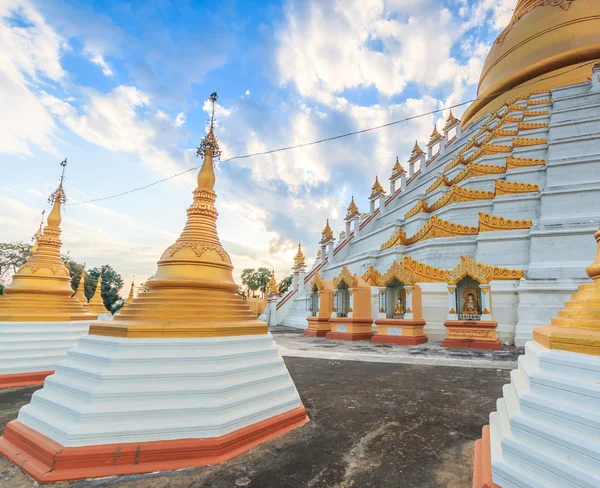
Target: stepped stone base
x=406 y=332
x=400 y=340
x=29 y=351
x=546 y=430
x=472 y=335
x=315 y=333
x=118 y=406
x=349 y=336
x=482 y=464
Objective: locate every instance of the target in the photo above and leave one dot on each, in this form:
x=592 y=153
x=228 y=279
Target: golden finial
x=37 y=235
x=434 y=137
x=327 y=233
x=209 y=149
x=593 y=270
x=299 y=258
x=417 y=152
x=80 y=293
x=376 y=188
x=272 y=285
x=56 y=199
x=397 y=169
x=450 y=122
x=352 y=209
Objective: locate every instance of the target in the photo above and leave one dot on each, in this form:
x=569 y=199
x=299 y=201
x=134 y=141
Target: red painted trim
x=47 y=461
x=414 y=176
x=373 y=215
x=482 y=462
x=285 y=299
x=342 y=244
x=314 y=271
x=450 y=141
x=394 y=195
x=24 y=379
x=432 y=158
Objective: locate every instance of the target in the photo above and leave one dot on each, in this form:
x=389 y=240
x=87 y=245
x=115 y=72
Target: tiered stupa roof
x=272 y=285
x=352 y=209
x=192 y=293
x=434 y=137
x=451 y=121
x=327 y=233
x=299 y=257
x=397 y=170
x=40 y=290
x=416 y=153
x=130 y=297
x=376 y=189
x=96 y=304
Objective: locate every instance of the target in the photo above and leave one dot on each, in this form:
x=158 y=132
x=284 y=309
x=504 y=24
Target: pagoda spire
x=37 y=235
x=80 y=293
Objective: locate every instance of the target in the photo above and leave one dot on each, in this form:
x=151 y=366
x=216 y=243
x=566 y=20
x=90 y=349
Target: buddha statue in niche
x=470 y=306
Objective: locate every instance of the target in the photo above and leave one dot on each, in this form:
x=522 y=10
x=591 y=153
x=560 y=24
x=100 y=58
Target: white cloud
x=179 y=120
x=30 y=53
x=100 y=61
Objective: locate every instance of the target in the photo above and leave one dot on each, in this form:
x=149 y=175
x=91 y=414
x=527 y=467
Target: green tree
x=262 y=276
x=285 y=284
x=12 y=256
x=1 y=289
x=75 y=269
x=143 y=288
x=111 y=284
x=249 y=279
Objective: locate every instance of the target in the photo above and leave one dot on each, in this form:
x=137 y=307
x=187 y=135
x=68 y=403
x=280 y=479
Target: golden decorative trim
x=441 y=181
x=398 y=239
x=399 y=272
x=542 y=101
x=533 y=125
x=486 y=311
x=458 y=194
x=514 y=163
x=317 y=282
x=423 y=273
x=475 y=169
x=421 y=206
x=528 y=141
x=489 y=223
x=512 y=120
x=452 y=311
x=455 y=162
x=467 y=266
x=535 y=113
x=436 y=227
x=506 y=132
x=503 y=187
x=507 y=273
x=345 y=276
x=372 y=277
x=495 y=149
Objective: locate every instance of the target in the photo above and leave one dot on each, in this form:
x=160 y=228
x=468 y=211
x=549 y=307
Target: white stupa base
x=114 y=390
x=35 y=347
x=546 y=430
x=105 y=316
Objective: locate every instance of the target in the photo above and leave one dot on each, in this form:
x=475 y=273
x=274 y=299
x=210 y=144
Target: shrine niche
x=470 y=323
x=399 y=320
x=320 y=303
x=351 y=318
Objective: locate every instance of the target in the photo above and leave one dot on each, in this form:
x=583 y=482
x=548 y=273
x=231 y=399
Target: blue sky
x=120 y=88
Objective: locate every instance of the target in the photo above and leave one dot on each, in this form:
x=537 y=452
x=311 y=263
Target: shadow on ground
x=372 y=425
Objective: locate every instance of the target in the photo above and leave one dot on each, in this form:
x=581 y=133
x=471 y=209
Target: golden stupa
x=542 y=47
x=192 y=293
x=130 y=297
x=40 y=290
x=37 y=235
x=96 y=304
x=80 y=293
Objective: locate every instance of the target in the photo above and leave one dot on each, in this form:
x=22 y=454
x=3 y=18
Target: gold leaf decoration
x=399 y=272
x=372 y=277
x=528 y=141
x=346 y=277
x=398 y=239
x=490 y=223
x=503 y=187
x=514 y=163
x=423 y=273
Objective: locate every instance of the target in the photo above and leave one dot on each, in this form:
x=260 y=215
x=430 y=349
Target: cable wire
x=328 y=139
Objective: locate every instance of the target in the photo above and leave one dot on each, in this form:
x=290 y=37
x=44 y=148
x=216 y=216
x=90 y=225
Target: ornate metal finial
x=42 y=220
x=210 y=141
x=59 y=193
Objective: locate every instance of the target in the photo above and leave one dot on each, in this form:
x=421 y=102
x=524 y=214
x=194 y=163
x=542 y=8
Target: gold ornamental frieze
x=401 y=273
x=398 y=239
x=490 y=223
x=516 y=163
x=474 y=169
x=372 y=277
x=496 y=149
x=436 y=227
x=441 y=181
x=503 y=187
x=512 y=120
x=346 y=277
x=317 y=282
x=506 y=132
x=544 y=101
x=421 y=206
x=454 y=163
x=423 y=273
x=458 y=194
x=533 y=125
x=529 y=141
x=535 y=113
x=500 y=273
x=467 y=266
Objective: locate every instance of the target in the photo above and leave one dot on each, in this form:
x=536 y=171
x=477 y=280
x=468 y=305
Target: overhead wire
x=326 y=139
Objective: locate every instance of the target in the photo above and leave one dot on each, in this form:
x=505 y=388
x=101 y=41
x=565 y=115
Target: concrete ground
x=293 y=343
x=373 y=424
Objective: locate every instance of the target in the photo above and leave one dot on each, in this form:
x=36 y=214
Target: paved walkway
x=293 y=343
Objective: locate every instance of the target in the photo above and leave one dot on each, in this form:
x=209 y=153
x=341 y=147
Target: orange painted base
x=482 y=463
x=472 y=344
x=23 y=379
x=315 y=332
x=349 y=336
x=401 y=340
x=47 y=461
